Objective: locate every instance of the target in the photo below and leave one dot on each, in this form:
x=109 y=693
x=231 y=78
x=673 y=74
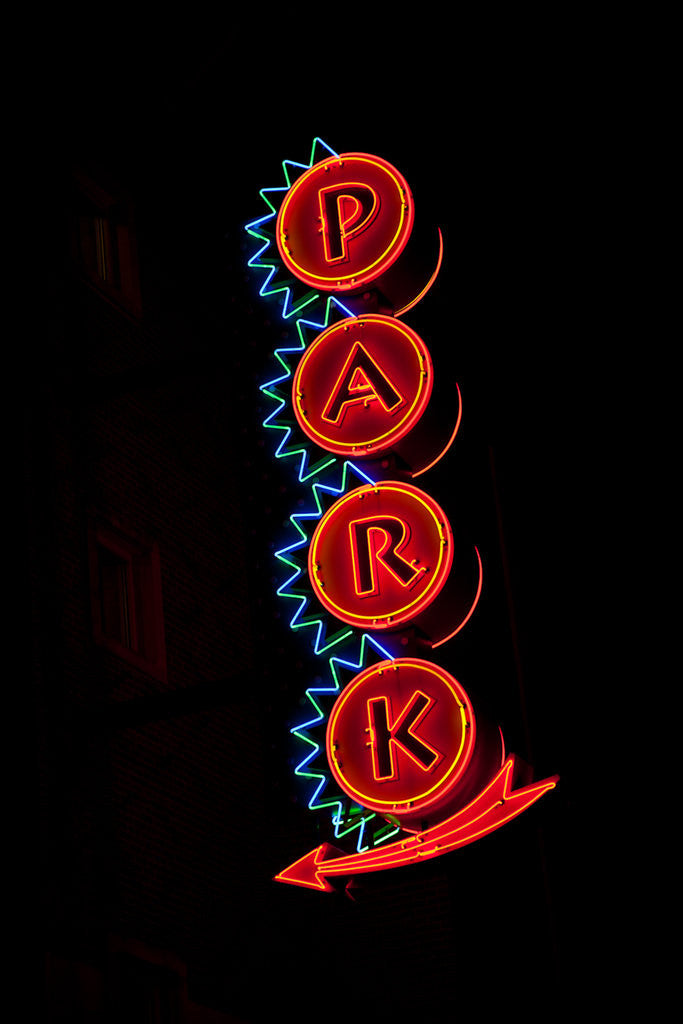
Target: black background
x=502 y=146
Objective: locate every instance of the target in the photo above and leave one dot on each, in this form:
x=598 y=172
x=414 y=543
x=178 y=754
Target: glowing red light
x=495 y=805
x=362 y=385
x=380 y=555
x=400 y=737
x=344 y=222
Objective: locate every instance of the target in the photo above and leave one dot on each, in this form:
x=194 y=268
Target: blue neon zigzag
x=259 y=229
x=343 y=820
x=286 y=555
x=346 y=817
x=271 y=390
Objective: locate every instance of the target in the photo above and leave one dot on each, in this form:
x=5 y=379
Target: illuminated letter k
x=386 y=736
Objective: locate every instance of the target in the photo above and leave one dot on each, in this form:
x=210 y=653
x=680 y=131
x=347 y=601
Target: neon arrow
x=493 y=807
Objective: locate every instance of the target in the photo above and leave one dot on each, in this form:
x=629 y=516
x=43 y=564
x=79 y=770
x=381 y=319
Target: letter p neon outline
x=345 y=211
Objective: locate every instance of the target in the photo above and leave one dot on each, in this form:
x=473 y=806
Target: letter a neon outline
x=350 y=389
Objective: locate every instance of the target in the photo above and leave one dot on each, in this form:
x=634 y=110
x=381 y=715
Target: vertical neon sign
x=372 y=555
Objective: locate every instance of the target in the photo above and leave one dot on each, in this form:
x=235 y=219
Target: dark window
x=103 y=242
x=125 y=577
x=98 y=249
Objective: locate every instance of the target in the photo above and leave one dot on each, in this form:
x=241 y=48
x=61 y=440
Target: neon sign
x=400 y=737
x=402 y=745
x=362 y=385
x=495 y=805
x=344 y=222
x=380 y=555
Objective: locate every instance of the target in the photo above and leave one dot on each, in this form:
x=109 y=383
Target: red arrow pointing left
x=493 y=807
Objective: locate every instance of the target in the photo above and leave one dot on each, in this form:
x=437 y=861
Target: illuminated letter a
x=360 y=381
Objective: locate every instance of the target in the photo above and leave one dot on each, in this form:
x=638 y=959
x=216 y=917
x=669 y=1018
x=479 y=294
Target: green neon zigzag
x=262 y=229
x=296 y=586
x=347 y=817
x=274 y=390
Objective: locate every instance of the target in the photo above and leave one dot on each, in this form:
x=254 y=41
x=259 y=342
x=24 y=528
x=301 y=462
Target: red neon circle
x=380 y=555
x=362 y=385
x=400 y=736
x=344 y=222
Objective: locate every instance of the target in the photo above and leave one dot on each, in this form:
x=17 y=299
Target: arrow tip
x=305 y=870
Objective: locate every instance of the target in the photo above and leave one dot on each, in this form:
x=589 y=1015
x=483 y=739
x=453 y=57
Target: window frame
x=144 y=605
x=109 y=211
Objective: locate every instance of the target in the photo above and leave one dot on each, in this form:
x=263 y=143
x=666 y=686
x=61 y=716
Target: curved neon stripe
x=495 y=805
x=450 y=441
x=484 y=813
x=421 y=294
x=475 y=602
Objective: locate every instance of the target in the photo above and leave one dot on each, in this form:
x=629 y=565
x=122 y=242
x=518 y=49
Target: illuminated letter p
x=346 y=211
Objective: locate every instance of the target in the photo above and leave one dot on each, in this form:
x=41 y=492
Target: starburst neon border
x=327 y=477
x=273 y=389
x=296 y=587
x=347 y=816
x=266 y=258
